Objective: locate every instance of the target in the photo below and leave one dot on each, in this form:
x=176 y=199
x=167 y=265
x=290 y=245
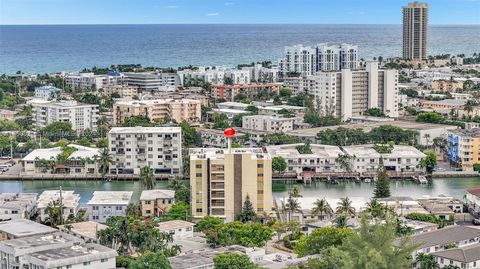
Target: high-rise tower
x=415 y=23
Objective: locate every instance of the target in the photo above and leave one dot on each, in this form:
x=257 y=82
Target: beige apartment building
x=125 y=91
x=415 y=23
x=158 y=109
x=221 y=180
x=446 y=85
x=155 y=203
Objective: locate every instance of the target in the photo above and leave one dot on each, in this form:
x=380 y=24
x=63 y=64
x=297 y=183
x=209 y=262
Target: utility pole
x=61 y=206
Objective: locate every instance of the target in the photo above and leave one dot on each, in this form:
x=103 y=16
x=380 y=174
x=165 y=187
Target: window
x=103 y=260
x=198 y=166
x=259 y=165
x=69 y=266
x=86 y=263
x=198 y=174
x=260 y=175
x=199 y=210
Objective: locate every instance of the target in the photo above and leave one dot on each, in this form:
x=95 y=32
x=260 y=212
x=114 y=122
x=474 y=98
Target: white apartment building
x=216 y=138
x=261 y=74
x=17 y=205
x=47 y=92
x=334 y=58
x=19 y=228
x=132 y=148
x=69 y=200
x=350 y=93
x=81 y=116
x=321 y=160
x=145 y=82
x=106 y=204
x=239 y=76
x=300 y=85
x=84 y=256
x=401 y=158
x=210 y=75
x=298 y=59
x=15 y=252
x=90 y=80
x=170 y=80
x=178 y=229
x=276 y=110
x=269 y=124
x=80 y=162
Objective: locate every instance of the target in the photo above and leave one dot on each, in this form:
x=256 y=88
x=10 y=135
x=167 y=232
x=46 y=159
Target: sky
x=229 y=11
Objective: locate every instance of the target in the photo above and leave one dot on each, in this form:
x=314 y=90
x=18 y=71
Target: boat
x=367 y=180
x=422 y=180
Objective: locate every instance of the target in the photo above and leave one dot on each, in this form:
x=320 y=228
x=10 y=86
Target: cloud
x=213 y=14
x=171 y=7
x=228 y=3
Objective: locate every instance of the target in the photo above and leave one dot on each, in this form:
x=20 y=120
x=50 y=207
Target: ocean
x=52 y=48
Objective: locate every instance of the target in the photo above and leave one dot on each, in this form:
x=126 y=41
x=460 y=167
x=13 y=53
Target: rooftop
x=23 y=227
x=111 y=198
x=63 y=104
x=465 y=254
x=449 y=102
x=54 y=258
x=69 y=198
x=156 y=194
x=271 y=118
x=398 y=151
x=174 y=224
x=290 y=151
x=156 y=102
x=30 y=244
x=87 y=229
x=474 y=191
x=145 y=130
x=50 y=153
x=216 y=153
x=447 y=235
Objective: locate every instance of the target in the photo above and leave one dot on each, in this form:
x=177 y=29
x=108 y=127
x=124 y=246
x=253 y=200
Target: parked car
x=476 y=221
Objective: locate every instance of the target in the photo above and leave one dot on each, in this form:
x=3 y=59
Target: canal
x=454 y=187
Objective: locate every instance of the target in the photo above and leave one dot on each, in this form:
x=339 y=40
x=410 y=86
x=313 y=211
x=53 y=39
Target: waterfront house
x=155 y=203
x=69 y=200
x=178 y=229
x=106 y=204
x=73 y=160
x=17 y=205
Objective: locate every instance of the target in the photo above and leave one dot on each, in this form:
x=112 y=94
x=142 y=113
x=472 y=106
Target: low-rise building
x=69 y=200
x=80 y=161
x=20 y=228
x=446 y=104
x=473 y=200
x=85 y=230
x=15 y=252
x=216 y=138
x=467 y=257
x=6 y=114
x=146 y=82
x=228 y=92
x=106 y=204
x=446 y=208
x=88 y=256
x=446 y=85
x=238 y=76
x=322 y=159
x=178 y=229
x=86 y=80
x=439 y=240
x=158 y=109
x=80 y=116
x=17 y=205
x=47 y=92
x=132 y=148
x=269 y=124
x=233 y=105
x=125 y=91
x=277 y=110
x=155 y=203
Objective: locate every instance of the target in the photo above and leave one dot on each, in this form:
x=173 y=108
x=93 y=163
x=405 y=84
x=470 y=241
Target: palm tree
x=292 y=205
x=147 y=179
x=376 y=209
x=426 y=261
x=295 y=192
x=321 y=208
x=427 y=139
x=175 y=184
x=54 y=213
x=340 y=222
x=105 y=160
x=343 y=160
x=345 y=208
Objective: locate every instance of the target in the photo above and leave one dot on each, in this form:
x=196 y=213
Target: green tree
x=190 y=136
x=279 y=228
x=376 y=210
x=237 y=233
x=179 y=211
x=104 y=161
x=242 y=98
x=58 y=130
x=430 y=117
x=248 y=212
x=208 y=223
x=151 y=260
x=426 y=261
x=147 y=178
x=279 y=164
x=237 y=120
x=374 y=112
x=233 y=261
x=321 y=238
x=429 y=162
x=252 y=109
x=54 y=214
x=220 y=122
x=382 y=185
x=322 y=208
x=345 y=208
x=134 y=121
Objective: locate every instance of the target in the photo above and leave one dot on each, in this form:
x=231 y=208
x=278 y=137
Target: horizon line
x=119 y=24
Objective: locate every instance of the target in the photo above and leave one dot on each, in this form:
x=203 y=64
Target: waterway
x=454 y=187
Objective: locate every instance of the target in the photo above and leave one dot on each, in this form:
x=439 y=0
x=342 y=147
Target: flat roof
x=174 y=224
x=148 y=195
x=271 y=118
x=24 y=227
x=87 y=229
x=216 y=153
x=111 y=198
x=49 y=153
x=290 y=151
x=69 y=198
x=156 y=101
x=75 y=254
x=30 y=244
x=145 y=130
x=398 y=151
